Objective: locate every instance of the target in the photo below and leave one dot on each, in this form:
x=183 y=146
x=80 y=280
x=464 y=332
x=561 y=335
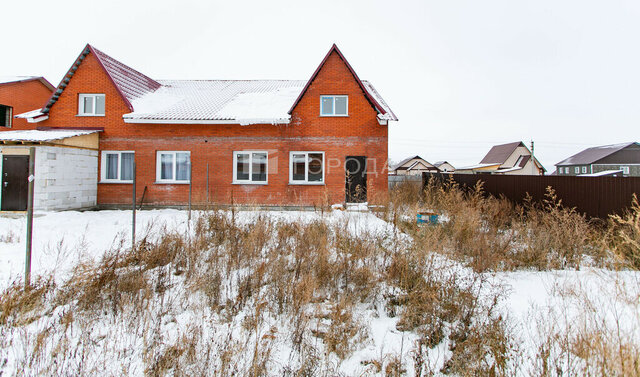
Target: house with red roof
x=265 y=142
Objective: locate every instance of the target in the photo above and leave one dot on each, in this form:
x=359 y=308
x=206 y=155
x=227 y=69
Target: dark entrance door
x=15 y=171
x=356 y=179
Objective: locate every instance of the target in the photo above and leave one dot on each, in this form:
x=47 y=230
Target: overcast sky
x=461 y=75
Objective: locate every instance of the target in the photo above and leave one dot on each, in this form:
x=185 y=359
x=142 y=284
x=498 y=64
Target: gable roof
x=383 y=111
x=498 y=154
x=591 y=155
x=129 y=83
x=399 y=164
x=16 y=79
x=198 y=101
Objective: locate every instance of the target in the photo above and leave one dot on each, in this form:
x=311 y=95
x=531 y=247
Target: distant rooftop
x=591 y=155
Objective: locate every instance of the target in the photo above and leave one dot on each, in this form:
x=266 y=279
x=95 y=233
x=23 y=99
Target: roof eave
x=241 y=122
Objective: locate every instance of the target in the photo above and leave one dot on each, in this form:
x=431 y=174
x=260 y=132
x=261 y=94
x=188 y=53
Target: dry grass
x=492 y=234
x=223 y=298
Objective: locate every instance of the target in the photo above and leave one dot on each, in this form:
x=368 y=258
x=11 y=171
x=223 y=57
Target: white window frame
x=175 y=166
x=584 y=170
x=306 y=168
x=576 y=170
x=625 y=170
x=81 y=98
x=249 y=181
x=334 y=106
x=103 y=167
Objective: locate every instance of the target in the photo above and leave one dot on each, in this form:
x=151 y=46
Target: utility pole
x=27 y=264
x=533 y=157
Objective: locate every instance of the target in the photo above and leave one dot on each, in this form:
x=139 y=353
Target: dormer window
x=6 y=113
x=334 y=106
x=91 y=104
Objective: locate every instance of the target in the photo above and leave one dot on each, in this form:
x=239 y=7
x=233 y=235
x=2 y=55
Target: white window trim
x=576 y=170
x=81 y=98
x=625 y=169
x=175 y=165
x=103 y=167
x=334 y=106
x=584 y=170
x=306 y=168
x=248 y=181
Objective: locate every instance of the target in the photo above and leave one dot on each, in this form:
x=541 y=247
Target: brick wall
x=358 y=135
x=23 y=97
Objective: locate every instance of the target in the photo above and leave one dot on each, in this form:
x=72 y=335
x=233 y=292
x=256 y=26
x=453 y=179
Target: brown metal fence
x=595 y=196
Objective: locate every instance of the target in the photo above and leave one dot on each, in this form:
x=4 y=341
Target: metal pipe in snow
x=27 y=265
x=133 y=207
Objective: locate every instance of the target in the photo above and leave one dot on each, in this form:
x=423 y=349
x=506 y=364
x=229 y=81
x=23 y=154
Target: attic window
x=334 y=106
x=91 y=104
x=6 y=113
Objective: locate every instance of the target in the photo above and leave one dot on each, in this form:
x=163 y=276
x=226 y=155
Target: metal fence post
x=190 y=185
x=29 y=240
x=133 y=207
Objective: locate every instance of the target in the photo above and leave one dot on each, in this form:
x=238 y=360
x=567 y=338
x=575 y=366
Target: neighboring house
x=266 y=142
x=604 y=160
x=444 y=167
x=414 y=165
x=19 y=94
x=511 y=159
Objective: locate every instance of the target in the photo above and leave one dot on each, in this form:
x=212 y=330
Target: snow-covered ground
x=61 y=239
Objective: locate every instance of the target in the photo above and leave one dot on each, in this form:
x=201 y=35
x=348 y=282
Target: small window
x=584 y=170
x=625 y=170
x=91 y=104
x=334 y=105
x=6 y=116
x=117 y=166
x=173 y=167
x=306 y=168
x=250 y=167
x=576 y=170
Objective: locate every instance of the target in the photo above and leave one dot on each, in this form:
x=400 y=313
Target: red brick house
x=19 y=94
x=266 y=142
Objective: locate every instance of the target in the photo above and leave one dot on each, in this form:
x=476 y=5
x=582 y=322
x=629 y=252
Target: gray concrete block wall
x=66 y=178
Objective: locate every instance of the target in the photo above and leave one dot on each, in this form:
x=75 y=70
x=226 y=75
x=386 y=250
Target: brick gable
x=23 y=96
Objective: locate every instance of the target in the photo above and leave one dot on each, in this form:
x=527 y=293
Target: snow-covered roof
x=38 y=135
x=478 y=166
x=10 y=79
x=235 y=101
x=602 y=173
x=509 y=169
x=30 y=114
x=591 y=155
x=223 y=101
